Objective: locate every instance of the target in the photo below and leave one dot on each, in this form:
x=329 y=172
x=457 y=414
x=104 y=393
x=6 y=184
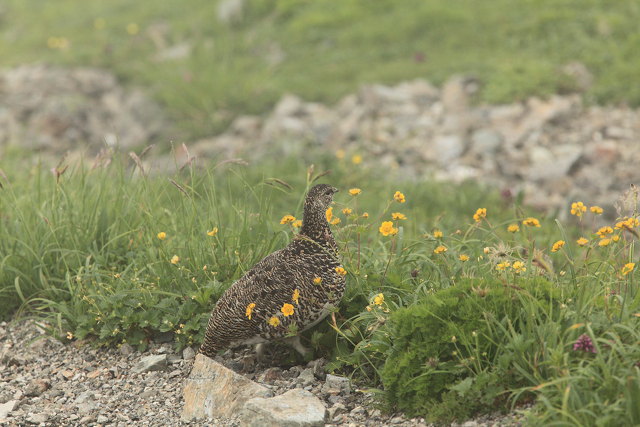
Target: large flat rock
x=214 y=391
x=295 y=408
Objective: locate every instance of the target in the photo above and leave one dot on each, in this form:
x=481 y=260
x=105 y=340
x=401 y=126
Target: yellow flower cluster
x=387 y=229
x=274 y=321
x=378 y=299
x=249 y=310
x=519 y=267
x=287 y=309
x=513 y=228
x=628 y=268
x=347 y=211
x=578 y=208
x=213 y=232
x=330 y=219
x=296 y=296
x=463 y=257
x=582 y=241
x=399 y=197
x=287 y=219
x=162 y=235
x=437 y=234
x=396 y=216
x=355 y=191
x=627 y=224
x=557 y=245
x=175 y=259
x=531 y=222
x=440 y=250
x=297 y=223
x=341 y=271
x=503 y=266
x=603 y=231
x=597 y=210
x=480 y=214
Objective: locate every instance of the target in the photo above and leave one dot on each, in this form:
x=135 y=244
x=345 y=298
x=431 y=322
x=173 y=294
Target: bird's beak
x=335 y=190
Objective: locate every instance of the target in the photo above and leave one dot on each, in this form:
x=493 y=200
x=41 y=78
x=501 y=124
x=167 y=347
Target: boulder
x=213 y=390
x=295 y=408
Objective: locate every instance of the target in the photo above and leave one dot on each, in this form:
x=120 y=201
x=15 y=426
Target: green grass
x=330 y=48
x=82 y=251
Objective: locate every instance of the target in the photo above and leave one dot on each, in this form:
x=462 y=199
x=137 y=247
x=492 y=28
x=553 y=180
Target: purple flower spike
x=584 y=343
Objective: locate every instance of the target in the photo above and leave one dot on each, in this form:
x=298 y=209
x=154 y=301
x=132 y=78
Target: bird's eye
x=328 y=192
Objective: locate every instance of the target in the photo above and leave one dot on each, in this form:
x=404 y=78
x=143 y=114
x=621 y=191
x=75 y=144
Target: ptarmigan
x=288 y=291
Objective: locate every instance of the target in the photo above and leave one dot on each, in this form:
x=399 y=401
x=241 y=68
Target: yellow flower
x=557 y=245
x=628 y=223
x=503 y=266
x=615 y=238
x=175 y=259
x=297 y=223
x=69 y=335
x=317 y=280
x=513 y=228
x=603 y=231
x=296 y=296
x=480 y=213
x=628 y=268
x=578 y=208
x=582 y=241
x=213 y=232
x=249 y=310
x=340 y=154
x=274 y=321
x=341 y=271
x=531 y=222
x=287 y=219
x=378 y=299
x=519 y=267
x=398 y=197
x=440 y=250
x=329 y=214
x=132 y=28
x=463 y=257
x=398 y=216
x=486 y=250
x=335 y=221
x=365 y=215
x=437 y=234
x=347 y=211
x=356 y=159
x=596 y=210
x=287 y=309
x=162 y=235
x=355 y=191
x=604 y=242
x=387 y=229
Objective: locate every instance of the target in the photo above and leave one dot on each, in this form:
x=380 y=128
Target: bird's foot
x=297 y=345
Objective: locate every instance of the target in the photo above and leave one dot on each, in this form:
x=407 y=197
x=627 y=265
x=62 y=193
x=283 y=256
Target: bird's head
x=320 y=197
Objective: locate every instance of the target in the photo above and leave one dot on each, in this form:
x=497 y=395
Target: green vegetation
x=324 y=49
x=449 y=312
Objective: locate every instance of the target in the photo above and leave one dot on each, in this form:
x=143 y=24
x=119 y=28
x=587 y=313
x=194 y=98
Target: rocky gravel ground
x=47 y=383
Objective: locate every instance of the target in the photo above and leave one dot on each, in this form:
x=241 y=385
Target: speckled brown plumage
x=271 y=283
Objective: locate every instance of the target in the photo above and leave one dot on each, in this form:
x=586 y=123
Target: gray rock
x=306 y=377
x=213 y=390
x=447 y=148
x=38 y=418
x=295 y=408
x=335 y=383
x=485 y=141
x=150 y=363
x=102 y=419
x=336 y=410
x=6 y=408
x=126 y=349
x=188 y=353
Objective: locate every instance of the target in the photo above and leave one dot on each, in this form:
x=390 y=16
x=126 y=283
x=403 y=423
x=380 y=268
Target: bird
x=287 y=292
